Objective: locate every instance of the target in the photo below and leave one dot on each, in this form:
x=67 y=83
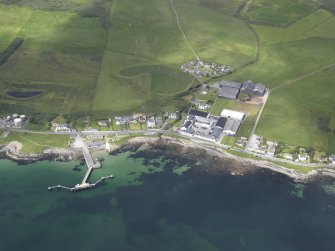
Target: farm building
x=228 y=93
x=252 y=89
x=196 y=113
x=187 y=125
x=221 y=122
x=229 y=90
x=232 y=114
x=203 y=122
x=232 y=127
x=230 y=84
x=217 y=132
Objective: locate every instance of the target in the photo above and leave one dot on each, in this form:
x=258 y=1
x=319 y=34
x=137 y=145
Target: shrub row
x=4 y=55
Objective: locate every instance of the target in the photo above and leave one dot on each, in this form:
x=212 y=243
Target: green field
x=59 y=56
x=283 y=62
x=318 y=24
x=99 y=58
x=279 y=12
x=142 y=56
x=300 y=113
x=303 y=113
x=36 y=143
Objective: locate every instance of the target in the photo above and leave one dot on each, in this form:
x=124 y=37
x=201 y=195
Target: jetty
x=90 y=163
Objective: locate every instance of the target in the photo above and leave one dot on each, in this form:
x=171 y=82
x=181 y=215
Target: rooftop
x=230 y=84
x=221 y=122
x=232 y=125
x=197 y=113
x=228 y=92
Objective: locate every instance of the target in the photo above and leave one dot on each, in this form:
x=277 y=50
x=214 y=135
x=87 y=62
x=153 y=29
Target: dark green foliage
x=323 y=123
x=90 y=7
x=4 y=55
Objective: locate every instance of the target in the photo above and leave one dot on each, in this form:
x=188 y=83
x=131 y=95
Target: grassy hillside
x=303 y=113
x=60 y=56
x=11 y=20
x=145 y=49
x=283 y=62
x=36 y=143
x=315 y=25
x=277 y=13
x=103 y=57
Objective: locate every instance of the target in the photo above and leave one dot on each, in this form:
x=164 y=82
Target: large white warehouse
x=232 y=114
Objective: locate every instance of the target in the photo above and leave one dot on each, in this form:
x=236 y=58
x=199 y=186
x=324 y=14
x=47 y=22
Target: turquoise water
x=160 y=202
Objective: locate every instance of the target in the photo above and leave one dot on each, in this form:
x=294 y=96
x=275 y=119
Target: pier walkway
x=91 y=164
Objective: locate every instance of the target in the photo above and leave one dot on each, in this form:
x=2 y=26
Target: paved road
x=171 y=133
x=84 y=132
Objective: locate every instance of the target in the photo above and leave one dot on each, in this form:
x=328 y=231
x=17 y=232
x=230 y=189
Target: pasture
x=145 y=49
x=103 y=57
x=36 y=143
x=303 y=113
x=59 y=56
x=283 y=62
x=277 y=13
x=318 y=24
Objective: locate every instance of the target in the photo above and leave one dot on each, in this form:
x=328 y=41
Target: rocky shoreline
x=218 y=158
x=13 y=152
x=215 y=157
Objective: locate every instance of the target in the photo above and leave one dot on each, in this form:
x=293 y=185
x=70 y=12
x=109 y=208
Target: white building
x=173 y=115
x=232 y=114
x=303 y=157
x=203 y=122
x=63 y=128
x=332 y=159
x=18 y=122
x=151 y=123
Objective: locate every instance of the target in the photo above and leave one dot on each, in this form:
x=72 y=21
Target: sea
x=161 y=202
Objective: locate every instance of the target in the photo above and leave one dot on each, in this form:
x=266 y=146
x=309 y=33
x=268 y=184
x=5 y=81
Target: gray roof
x=198 y=113
x=248 y=85
x=190 y=131
x=230 y=84
x=187 y=124
x=204 y=135
x=259 y=88
x=221 y=122
x=232 y=125
x=228 y=92
x=217 y=132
